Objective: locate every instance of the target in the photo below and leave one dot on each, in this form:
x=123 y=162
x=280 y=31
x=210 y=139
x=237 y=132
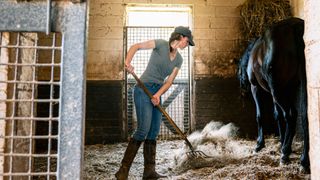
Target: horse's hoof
x=284 y=160
x=304 y=170
x=259 y=147
x=272 y=153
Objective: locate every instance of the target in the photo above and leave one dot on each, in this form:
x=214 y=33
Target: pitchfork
x=191 y=154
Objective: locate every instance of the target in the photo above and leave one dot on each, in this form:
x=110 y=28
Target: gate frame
x=69 y=19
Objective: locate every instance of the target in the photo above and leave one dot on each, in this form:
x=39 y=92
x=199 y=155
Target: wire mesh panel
x=176 y=99
x=42 y=89
x=30 y=65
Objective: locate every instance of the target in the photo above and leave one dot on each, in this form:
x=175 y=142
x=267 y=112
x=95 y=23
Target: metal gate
x=42 y=89
x=176 y=100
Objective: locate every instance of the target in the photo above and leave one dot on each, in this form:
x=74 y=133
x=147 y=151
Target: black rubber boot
x=149 y=154
x=128 y=158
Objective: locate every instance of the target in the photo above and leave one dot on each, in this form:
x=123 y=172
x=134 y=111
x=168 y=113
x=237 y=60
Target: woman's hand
x=129 y=67
x=155 y=100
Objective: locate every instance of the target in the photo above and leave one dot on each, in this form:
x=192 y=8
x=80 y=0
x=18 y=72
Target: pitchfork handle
x=163 y=111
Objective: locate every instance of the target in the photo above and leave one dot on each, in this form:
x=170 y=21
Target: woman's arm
x=156 y=97
x=132 y=51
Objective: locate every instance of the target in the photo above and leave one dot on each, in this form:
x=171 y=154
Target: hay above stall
x=256 y=15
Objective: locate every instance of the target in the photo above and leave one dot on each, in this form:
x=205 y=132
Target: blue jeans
x=148 y=115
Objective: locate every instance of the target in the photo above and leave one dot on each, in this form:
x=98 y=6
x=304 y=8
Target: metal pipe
x=48 y=29
x=30 y=82
x=32 y=118
x=30 y=47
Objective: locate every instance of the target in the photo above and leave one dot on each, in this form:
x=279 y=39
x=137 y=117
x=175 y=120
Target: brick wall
x=215 y=31
x=105 y=46
x=218 y=99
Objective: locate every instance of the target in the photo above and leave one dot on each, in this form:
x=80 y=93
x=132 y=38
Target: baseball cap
x=185 y=31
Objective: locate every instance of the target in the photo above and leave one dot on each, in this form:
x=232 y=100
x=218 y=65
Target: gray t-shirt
x=160 y=66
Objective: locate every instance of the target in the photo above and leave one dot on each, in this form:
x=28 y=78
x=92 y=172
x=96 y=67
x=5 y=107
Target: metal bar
x=30 y=47
x=30 y=100
x=30 y=82
x=32 y=118
x=48 y=30
x=76 y=1
x=31 y=64
x=152 y=27
x=32 y=106
x=50 y=106
x=190 y=91
x=166 y=104
x=126 y=121
x=172 y=96
x=73 y=89
x=14 y=107
x=27 y=155
x=28 y=174
x=35 y=137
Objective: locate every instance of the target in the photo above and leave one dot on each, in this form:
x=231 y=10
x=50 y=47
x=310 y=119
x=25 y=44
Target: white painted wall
x=312 y=40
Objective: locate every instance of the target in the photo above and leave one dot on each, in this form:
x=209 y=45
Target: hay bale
x=257 y=15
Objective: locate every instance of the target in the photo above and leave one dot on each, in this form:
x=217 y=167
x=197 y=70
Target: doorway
x=158 y=22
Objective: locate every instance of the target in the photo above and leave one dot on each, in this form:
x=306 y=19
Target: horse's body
x=276 y=63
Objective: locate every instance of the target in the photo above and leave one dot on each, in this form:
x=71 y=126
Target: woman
x=165 y=62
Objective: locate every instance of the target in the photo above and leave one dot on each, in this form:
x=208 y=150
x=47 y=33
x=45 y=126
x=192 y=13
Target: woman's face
x=184 y=42
x=181 y=43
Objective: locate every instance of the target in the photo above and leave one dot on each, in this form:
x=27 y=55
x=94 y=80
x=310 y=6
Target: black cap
x=185 y=32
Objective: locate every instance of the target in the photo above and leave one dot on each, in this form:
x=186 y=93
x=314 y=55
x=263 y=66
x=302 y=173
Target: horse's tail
x=298 y=27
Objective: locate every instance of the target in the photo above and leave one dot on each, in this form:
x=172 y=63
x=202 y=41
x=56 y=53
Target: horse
x=275 y=63
x=257 y=91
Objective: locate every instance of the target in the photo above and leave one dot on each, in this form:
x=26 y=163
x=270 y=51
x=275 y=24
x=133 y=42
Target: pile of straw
x=256 y=15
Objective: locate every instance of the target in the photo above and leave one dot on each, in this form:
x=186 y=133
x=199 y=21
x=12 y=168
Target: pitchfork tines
x=197 y=154
x=193 y=153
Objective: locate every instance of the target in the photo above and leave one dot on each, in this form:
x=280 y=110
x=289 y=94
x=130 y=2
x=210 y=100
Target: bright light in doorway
x=158 y=16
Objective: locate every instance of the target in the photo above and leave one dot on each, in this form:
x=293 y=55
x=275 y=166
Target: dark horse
x=275 y=63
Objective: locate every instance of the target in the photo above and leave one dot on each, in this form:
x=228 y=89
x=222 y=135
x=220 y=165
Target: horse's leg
x=302 y=103
x=256 y=93
x=289 y=114
x=279 y=119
